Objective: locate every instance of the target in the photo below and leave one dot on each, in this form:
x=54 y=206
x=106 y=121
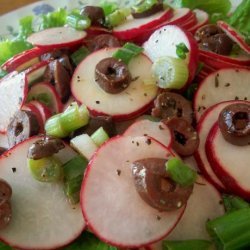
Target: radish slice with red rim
x=229 y=162
x=41 y=216
x=129 y=103
x=234 y=35
x=111 y=205
x=202 y=19
x=180 y=16
x=163 y=42
x=157 y=130
x=222 y=85
x=58 y=37
x=13 y=92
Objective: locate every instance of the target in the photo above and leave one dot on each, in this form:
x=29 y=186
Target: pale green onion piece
x=171 y=73
x=48 y=169
x=84 y=145
x=78 y=21
x=143 y=6
x=99 y=136
x=54 y=128
x=117 y=17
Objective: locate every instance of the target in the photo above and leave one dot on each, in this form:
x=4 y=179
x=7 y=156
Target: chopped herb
x=181 y=50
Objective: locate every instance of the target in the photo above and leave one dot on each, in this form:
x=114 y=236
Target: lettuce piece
x=25 y=26
x=88 y=241
x=4 y=247
x=240 y=19
x=53 y=19
x=210 y=6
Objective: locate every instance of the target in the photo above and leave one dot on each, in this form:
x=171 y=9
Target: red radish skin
x=241 y=59
x=47 y=88
x=157 y=130
x=234 y=35
x=202 y=19
x=133 y=28
x=229 y=162
x=180 y=16
x=222 y=85
x=131 y=102
x=36 y=72
x=203 y=127
x=163 y=43
x=24 y=60
x=58 y=37
x=13 y=92
x=111 y=205
x=41 y=216
x=190 y=22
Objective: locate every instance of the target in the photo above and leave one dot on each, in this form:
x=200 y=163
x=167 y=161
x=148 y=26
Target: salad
x=127 y=128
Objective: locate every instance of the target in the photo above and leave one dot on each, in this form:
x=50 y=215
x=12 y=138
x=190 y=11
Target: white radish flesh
x=163 y=42
x=222 y=85
x=230 y=162
x=205 y=203
x=41 y=216
x=58 y=37
x=157 y=130
x=111 y=205
x=202 y=19
x=13 y=92
x=131 y=102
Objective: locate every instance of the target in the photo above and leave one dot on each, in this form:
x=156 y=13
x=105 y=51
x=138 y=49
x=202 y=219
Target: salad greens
x=187 y=245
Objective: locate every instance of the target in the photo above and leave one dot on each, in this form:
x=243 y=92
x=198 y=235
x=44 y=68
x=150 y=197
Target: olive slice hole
x=240 y=120
x=18 y=129
x=180 y=138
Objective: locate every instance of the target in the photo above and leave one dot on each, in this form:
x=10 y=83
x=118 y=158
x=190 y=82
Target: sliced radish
x=55 y=105
x=36 y=72
x=234 y=35
x=111 y=205
x=190 y=22
x=134 y=27
x=4 y=141
x=229 y=162
x=222 y=85
x=41 y=216
x=57 y=37
x=241 y=59
x=180 y=16
x=163 y=43
x=204 y=126
x=202 y=19
x=13 y=92
x=43 y=109
x=37 y=113
x=131 y=102
x=24 y=60
x=157 y=130
x=204 y=204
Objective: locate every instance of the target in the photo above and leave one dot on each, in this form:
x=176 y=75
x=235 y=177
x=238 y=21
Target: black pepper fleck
x=137 y=144
x=118 y=171
x=148 y=141
x=216 y=81
x=160 y=127
x=158 y=217
x=13 y=170
x=236 y=98
x=227 y=84
x=97 y=102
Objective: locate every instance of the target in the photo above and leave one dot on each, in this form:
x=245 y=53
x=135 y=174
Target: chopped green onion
x=180 y=172
x=233 y=203
x=143 y=6
x=48 y=169
x=41 y=97
x=117 y=17
x=181 y=50
x=99 y=136
x=231 y=231
x=74 y=117
x=84 y=145
x=170 y=72
x=54 y=128
x=79 y=55
x=108 y=7
x=73 y=174
x=189 y=93
x=127 y=52
x=187 y=245
x=78 y=21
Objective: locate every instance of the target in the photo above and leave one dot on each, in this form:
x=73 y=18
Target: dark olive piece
x=212 y=38
x=153 y=184
x=169 y=105
x=45 y=147
x=95 y=14
x=112 y=75
x=185 y=138
x=234 y=123
x=57 y=75
x=22 y=125
x=103 y=41
x=5 y=191
x=5 y=214
x=153 y=10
